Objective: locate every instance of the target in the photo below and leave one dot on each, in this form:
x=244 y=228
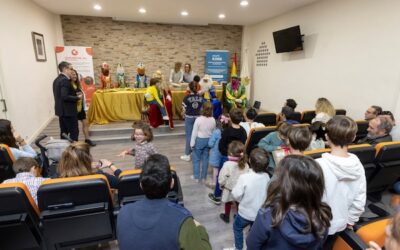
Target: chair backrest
x=388 y=166
x=307 y=116
x=76 y=211
x=296 y=116
x=362 y=126
x=129 y=189
x=315 y=154
x=268 y=119
x=19 y=218
x=6 y=163
x=255 y=135
x=340 y=112
x=366 y=154
x=371 y=231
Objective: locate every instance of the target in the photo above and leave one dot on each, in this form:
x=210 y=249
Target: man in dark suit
x=65 y=101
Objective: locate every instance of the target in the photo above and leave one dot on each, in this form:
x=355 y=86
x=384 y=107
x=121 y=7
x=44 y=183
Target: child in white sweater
x=250 y=191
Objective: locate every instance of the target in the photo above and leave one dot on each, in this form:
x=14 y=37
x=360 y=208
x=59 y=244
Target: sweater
x=202 y=128
x=250 y=191
x=270 y=143
x=192 y=104
x=345 y=189
x=24 y=151
x=229 y=135
x=289 y=235
x=228 y=177
x=152 y=94
x=215 y=155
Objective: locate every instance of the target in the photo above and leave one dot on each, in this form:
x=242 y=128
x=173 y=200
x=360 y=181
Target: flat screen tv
x=287 y=40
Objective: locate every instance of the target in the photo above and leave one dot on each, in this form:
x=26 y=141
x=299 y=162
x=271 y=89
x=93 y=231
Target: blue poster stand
x=217 y=64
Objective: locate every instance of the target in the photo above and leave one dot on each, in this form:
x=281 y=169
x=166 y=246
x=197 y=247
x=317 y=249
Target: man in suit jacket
x=65 y=101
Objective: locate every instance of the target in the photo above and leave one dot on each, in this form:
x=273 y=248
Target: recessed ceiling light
x=97 y=7
x=221 y=16
x=184 y=13
x=142 y=10
x=244 y=3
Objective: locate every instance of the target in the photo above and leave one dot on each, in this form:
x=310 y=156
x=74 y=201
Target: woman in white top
x=202 y=130
x=188 y=74
x=17 y=144
x=176 y=75
x=250 y=115
x=324 y=110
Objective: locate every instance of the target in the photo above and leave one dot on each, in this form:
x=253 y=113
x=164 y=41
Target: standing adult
x=65 y=101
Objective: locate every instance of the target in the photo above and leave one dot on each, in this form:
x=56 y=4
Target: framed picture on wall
x=38 y=45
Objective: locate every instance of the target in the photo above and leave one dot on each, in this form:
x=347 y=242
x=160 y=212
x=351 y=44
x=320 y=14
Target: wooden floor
x=195 y=194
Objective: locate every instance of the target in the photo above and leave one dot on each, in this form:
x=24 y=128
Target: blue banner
x=217 y=64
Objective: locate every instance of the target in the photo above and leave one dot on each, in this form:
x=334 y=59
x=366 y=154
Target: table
x=126 y=105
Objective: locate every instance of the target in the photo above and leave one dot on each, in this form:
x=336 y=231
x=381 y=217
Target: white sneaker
x=185 y=157
x=165 y=118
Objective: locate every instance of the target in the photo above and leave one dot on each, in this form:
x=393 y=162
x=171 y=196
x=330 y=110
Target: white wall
x=351 y=56
x=27 y=84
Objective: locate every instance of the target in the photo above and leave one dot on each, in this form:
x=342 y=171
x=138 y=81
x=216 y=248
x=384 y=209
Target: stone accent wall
x=158 y=46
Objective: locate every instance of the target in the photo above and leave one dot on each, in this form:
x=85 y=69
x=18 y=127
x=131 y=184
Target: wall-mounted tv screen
x=287 y=40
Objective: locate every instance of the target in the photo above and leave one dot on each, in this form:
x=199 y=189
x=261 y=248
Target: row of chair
x=71 y=212
x=257 y=134
x=271 y=119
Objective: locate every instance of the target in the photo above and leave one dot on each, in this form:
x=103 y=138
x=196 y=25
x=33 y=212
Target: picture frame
x=38 y=45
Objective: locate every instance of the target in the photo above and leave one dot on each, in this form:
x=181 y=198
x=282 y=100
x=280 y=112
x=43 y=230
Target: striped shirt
x=33 y=183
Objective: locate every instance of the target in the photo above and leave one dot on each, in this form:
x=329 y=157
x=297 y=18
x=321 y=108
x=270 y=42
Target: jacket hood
x=293 y=229
x=344 y=168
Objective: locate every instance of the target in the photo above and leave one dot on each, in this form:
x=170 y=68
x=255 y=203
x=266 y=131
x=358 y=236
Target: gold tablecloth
x=126 y=105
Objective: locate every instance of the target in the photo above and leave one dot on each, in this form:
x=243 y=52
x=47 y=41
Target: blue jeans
x=238 y=225
x=217 y=190
x=162 y=109
x=189 y=122
x=200 y=153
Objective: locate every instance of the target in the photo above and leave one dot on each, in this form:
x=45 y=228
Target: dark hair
x=206 y=109
x=378 y=109
x=283 y=128
x=237 y=149
x=236 y=115
x=251 y=114
x=341 y=130
x=6 y=135
x=299 y=185
x=319 y=128
x=24 y=164
x=62 y=65
x=190 y=66
x=147 y=131
x=193 y=86
x=259 y=160
x=287 y=112
x=77 y=82
x=299 y=138
x=154 y=81
x=388 y=113
x=156 y=176
x=291 y=103
x=196 y=78
x=221 y=122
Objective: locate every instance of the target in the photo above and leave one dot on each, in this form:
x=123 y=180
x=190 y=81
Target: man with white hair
x=207 y=90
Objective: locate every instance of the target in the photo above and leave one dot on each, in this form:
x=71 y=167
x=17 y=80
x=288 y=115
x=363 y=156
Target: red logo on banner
x=74 y=52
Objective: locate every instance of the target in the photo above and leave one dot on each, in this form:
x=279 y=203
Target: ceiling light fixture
x=184 y=13
x=244 y=3
x=97 y=7
x=142 y=10
x=221 y=16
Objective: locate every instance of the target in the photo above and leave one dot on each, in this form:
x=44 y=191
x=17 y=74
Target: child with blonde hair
x=229 y=174
x=142 y=135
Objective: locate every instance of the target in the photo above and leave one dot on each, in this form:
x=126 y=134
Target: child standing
x=215 y=155
x=202 y=130
x=229 y=174
x=153 y=96
x=233 y=133
x=191 y=106
x=275 y=140
x=142 y=135
x=293 y=216
x=29 y=173
x=345 y=184
x=250 y=191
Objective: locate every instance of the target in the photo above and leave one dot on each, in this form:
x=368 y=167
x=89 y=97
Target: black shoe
x=213 y=199
x=88 y=141
x=224 y=217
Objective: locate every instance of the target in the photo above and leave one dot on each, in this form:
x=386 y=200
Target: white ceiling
x=201 y=12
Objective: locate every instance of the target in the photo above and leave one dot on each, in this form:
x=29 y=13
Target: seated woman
x=77 y=161
x=176 y=75
x=324 y=110
x=153 y=96
x=17 y=144
x=188 y=75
